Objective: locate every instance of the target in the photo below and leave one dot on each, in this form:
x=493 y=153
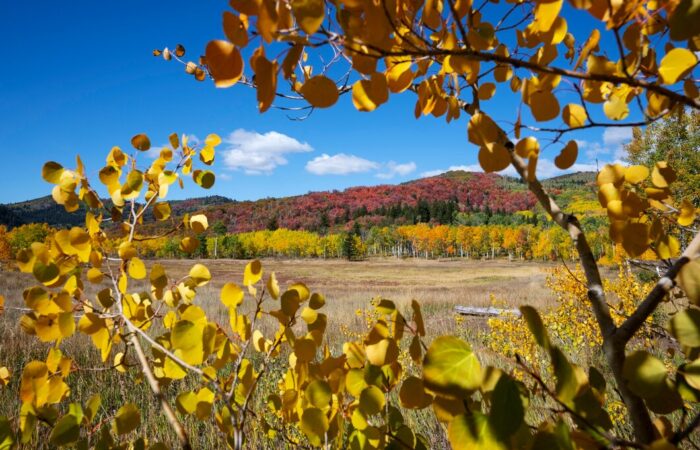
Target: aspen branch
x=613 y=348
x=630 y=326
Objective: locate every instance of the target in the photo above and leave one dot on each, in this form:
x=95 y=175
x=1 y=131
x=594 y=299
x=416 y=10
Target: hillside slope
x=434 y=199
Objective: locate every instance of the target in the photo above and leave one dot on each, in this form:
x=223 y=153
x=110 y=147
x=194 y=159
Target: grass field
x=348 y=286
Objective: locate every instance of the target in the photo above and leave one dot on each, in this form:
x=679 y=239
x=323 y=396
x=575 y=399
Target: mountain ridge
x=430 y=199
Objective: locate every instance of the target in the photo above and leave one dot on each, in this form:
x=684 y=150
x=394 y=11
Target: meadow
x=349 y=288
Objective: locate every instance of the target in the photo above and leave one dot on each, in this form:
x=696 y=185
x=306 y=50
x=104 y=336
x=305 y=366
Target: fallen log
x=488 y=311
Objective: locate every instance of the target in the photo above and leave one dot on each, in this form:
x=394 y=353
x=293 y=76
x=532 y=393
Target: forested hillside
x=452 y=198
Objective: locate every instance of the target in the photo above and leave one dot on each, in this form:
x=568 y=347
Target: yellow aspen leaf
x=162 y=211
x=212 y=140
x=141 y=142
x=314 y=424
x=412 y=394
x=636 y=174
x=224 y=62
x=305 y=349
x=118 y=363
x=383 y=352
x=5 y=376
x=265 y=78
x=186 y=402
x=252 y=273
x=302 y=291
x=676 y=64
x=231 y=295
x=186 y=337
x=494 y=157
x=544 y=105
x=482 y=130
x=320 y=91
x=667 y=247
x=258 y=341
x=2 y=304
x=309 y=14
x=94 y=275
x=204 y=178
x=189 y=244
x=207 y=155
x=473 y=431
x=127 y=419
x=574 y=115
x=137 y=269
x=686 y=217
x=689 y=280
x=316 y=301
x=399 y=76
x=273 y=287
x=199 y=273
x=354 y=354
x=235 y=31
x=199 y=223
x=590 y=45
x=616 y=108
x=367 y=95
x=291 y=59
x=546 y=12
x=486 y=91
x=52 y=172
x=568 y=156
x=662 y=175
x=611 y=173
x=527 y=147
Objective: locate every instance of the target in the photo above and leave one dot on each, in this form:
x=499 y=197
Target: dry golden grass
x=348 y=286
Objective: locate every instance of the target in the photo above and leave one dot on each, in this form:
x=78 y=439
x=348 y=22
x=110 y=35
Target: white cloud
x=615 y=138
x=340 y=164
x=392 y=169
x=256 y=153
x=225 y=176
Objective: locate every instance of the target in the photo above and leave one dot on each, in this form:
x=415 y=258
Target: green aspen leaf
x=507 y=413
x=472 y=431
x=685 y=327
x=314 y=424
x=451 y=368
x=534 y=323
x=66 y=431
x=7 y=437
x=127 y=419
x=319 y=393
x=372 y=401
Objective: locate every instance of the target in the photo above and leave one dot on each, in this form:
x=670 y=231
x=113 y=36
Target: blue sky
x=79 y=78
